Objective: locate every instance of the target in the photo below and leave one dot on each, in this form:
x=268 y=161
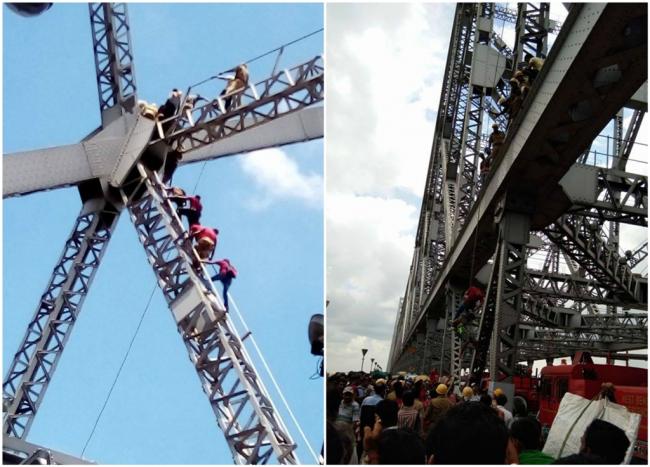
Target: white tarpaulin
x=574 y=416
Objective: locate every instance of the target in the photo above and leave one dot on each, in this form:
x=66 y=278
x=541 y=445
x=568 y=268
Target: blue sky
x=269 y=214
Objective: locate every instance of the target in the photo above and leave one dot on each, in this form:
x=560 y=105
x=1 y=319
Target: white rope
x=275 y=383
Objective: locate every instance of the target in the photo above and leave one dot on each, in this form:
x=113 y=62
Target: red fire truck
x=585 y=379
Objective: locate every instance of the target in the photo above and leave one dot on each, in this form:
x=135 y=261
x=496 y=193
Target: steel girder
x=17 y=451
x=511 y=249
x=113 y=57
x=470 y=144
x=555 y=285
x=531 y=31
x=454 y=298
x=579 y=239
x=285 y=92
x=486 y=325
x=49 y=330
x=506 y=14
x=245 y=413
x=620 y=197
x=630 y=138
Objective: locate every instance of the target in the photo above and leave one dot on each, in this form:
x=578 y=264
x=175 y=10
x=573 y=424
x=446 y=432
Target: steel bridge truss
x=47 y=333
x=113 y=55
x=237 y=395
x=284 y=92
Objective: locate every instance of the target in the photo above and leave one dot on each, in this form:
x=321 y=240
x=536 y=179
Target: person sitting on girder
x=170 y=108
x=226 y=274
x=472 y=299
x=193 y=212
x=206 y=240
x=236 y=84
x=533 y=68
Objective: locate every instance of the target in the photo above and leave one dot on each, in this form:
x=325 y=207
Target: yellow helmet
x=467 y=392
x=442 y=389
x=498 y=392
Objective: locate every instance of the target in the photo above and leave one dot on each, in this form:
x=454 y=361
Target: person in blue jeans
x=226 y=274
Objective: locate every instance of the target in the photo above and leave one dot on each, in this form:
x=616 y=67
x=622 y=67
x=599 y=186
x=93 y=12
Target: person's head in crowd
x=334 y=454
x=408 y=399
x=380 y=388
x=605 y=440
x=387 y=412
x=348 y=394
x=470 y=433
x=398 y=387
x=400 y=447
x=519 y=407
x=501 y=399
x=333 y=402
x=467 y=393
x=486 y=400
x=526 y=432
x=441 y=390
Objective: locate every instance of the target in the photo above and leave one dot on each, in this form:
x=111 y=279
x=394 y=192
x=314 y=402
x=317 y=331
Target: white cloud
x=388 y=63
x=279 y=177
x=369 y=245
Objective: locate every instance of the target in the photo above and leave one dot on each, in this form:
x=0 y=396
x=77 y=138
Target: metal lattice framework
x=47 y=333
x=113 y=55
x=238 y=398
x=114 y=167
x=283 y=93
x=575 y=299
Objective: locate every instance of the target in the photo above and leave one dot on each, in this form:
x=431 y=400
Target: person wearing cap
x=347 y=418
x=437 y=408
x=467 y=394
x=501 y=400
x=349 y=409
x=476 y=396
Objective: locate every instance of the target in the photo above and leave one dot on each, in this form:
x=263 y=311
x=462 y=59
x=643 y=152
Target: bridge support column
x=429 y=354
x=514 y=228
x=454 y=298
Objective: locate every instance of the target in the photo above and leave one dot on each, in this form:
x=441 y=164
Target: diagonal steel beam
x=114 y=66
x=35 y=361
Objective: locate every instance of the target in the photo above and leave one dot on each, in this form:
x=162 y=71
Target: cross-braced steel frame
x=240 y=402
x=285 y=92
x=113 y=55
x=47 y=333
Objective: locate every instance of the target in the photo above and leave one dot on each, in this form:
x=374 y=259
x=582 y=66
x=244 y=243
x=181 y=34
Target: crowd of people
x=418 y=420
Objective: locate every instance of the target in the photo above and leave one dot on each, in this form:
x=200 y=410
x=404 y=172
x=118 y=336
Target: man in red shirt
x=206 y=240
x=226 y=274
x=472 y=299
x=193 y=212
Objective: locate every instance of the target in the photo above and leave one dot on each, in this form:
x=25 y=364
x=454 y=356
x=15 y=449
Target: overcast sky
x=385 y=70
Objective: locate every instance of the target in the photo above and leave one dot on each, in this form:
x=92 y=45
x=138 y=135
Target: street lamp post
x=372 y=364
x=363 y=356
